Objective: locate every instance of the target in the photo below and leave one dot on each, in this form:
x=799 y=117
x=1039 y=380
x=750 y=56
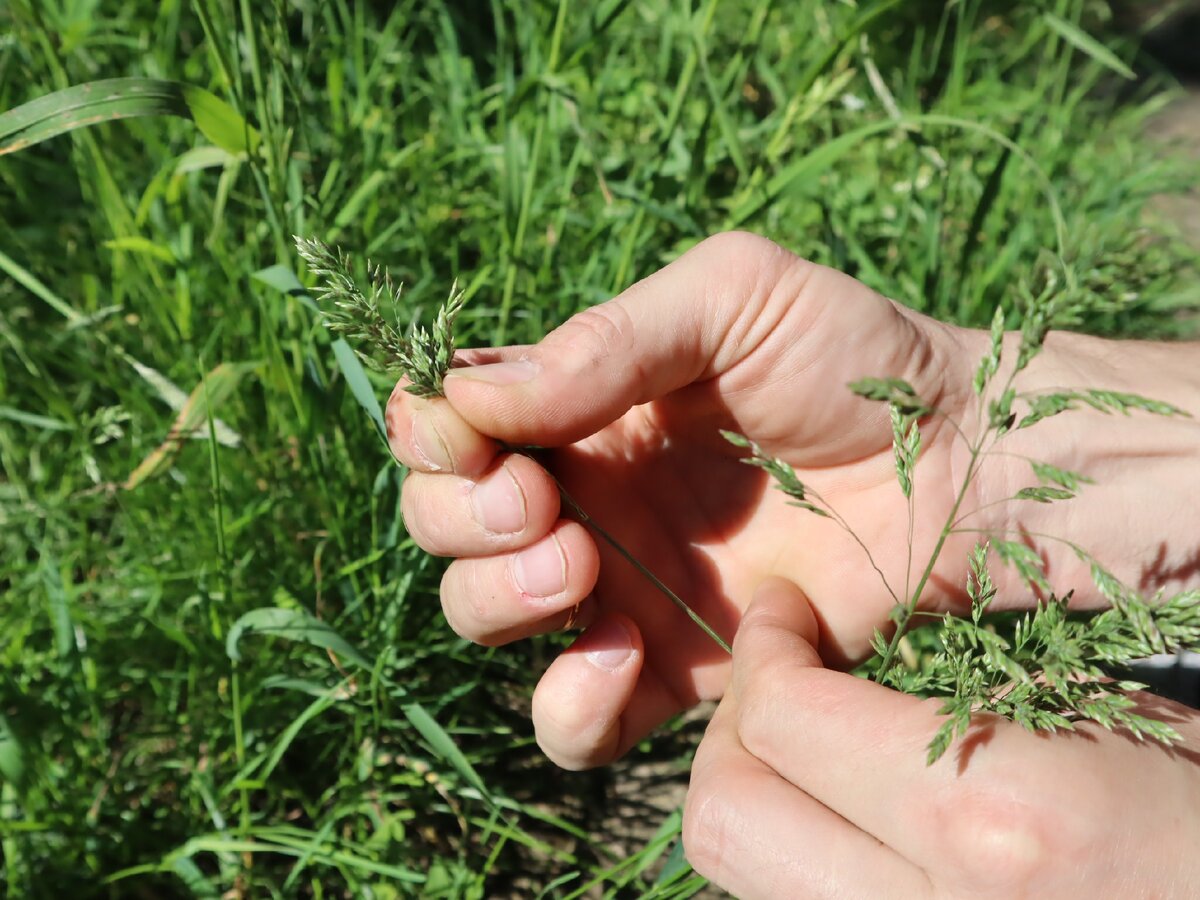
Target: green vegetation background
x=547 y=155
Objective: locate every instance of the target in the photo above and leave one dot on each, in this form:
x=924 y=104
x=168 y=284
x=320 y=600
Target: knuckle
x=760 y=281
x=773 y=685
x=758 y=712
x=749 y=264
x=1000 y=842
x=739 y=245
x=570 y=735
x=425 y=525
x=466 y=603
x=709 y=826
x=594 y=334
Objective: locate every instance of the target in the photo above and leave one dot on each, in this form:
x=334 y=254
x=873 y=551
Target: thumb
x=688 y=322
x=779 y=628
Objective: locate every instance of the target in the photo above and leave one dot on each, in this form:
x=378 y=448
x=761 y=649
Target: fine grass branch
x=1048 y=669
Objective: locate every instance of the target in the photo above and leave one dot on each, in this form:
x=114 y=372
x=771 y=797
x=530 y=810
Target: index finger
x=855 y=746
x=757 y=835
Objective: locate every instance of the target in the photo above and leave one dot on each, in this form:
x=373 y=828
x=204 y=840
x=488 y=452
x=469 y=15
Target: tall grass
x=152 y=740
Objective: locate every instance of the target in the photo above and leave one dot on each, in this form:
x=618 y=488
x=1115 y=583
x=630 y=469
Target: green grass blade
x=360 y=385
x=804 y=169
x=194 y=879
x=1085 y=43
x=284 y=280
x=212 y=391
x=443 y=745
x=26 y=279
x=835 y=48
x=33 y=420
x=12 y=755
x=318 y=706
x=59 y=607
x=293 y=625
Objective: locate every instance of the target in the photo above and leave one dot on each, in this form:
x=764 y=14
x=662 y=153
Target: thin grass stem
x=641 y=567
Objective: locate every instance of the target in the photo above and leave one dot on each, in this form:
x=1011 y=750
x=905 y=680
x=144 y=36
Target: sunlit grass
x=544 y=155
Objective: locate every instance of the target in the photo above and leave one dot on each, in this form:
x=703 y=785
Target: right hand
x=629 y=396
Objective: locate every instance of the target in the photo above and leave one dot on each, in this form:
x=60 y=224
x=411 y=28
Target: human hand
x=630 y=395
x=813 y=783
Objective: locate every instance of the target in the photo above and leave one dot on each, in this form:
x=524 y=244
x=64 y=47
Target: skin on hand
x=629 y=397
x=813 y=783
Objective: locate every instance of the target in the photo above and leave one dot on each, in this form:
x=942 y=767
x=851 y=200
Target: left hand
x=813 y=783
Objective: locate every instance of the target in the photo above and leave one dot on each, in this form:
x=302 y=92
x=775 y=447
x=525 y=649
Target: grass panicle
x=348 y=310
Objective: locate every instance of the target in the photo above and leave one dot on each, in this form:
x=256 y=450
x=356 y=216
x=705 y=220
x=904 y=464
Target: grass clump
x=555 y=155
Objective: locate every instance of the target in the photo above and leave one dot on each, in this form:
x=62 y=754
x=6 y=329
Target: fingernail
x=513 y=372
x=614 y=646
x=428 y=443
x=498 y=504
x=541 y=571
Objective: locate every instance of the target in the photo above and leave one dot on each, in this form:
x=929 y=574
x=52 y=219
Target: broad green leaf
x=293 y=625
x=284 y=280
x=360 y=385
x=1084 y=42
x=220 y=122
x=443 y=745
x=89 y=104
x=113 y=99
